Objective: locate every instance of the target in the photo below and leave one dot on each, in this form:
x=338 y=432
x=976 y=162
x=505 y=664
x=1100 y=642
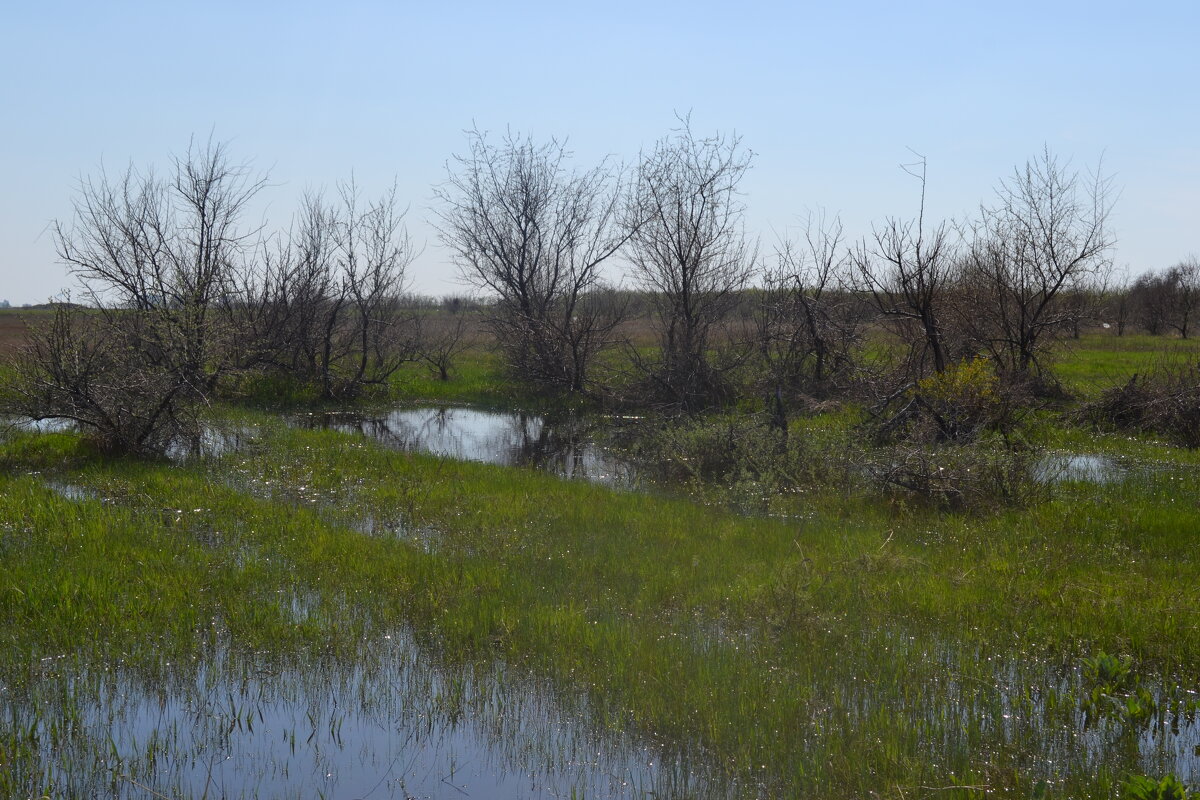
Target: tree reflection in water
x=562 y=445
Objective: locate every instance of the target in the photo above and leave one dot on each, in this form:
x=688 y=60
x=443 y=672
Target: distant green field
x=1084 y=366
x=1098 y=361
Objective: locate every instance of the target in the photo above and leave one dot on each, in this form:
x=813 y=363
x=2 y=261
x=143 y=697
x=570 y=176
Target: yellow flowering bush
x=964 y=399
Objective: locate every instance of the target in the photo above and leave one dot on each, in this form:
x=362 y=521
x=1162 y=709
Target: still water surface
x=564 y=445
x=389 y=724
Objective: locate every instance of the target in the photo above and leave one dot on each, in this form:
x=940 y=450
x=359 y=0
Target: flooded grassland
x=308 y=611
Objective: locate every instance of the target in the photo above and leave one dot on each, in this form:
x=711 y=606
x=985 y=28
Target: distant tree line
x=1164 y=301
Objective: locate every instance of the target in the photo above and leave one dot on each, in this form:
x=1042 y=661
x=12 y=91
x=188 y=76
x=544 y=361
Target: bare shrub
x=441 y=340
x=1116 y=302
x=166 y=249
x=957 y=405
x=1165 y=401
x=739 y=458
x=965 y=400
x=1151 y=299
x=712 y=449
x=1035 y=259
x=1119 y=408
x=1183 y=282
x=907 y=270
x=326 y=303
x=94 y=371
x=957 y=478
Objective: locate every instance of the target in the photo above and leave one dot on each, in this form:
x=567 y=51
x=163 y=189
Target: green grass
x=477 y=378
x=1084 y=366
x=1099 y=361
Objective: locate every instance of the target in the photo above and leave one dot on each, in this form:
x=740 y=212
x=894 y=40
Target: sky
x=831 y=98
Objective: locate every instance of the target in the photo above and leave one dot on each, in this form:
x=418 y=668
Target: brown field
x=12 y=329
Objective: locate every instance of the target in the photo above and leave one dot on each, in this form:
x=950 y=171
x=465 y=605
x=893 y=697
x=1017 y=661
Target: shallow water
x=1086 y=467
x=214 y=441
x=70 y=491
x=390 y=725
x=391 y=722
x=564 y=446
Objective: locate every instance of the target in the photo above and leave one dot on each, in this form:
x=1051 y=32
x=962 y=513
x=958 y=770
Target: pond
x=562 y=445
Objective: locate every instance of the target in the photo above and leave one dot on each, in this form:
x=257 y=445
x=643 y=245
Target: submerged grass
x=847 y=649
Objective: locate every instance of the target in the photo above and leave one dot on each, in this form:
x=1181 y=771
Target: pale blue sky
x=829 y=96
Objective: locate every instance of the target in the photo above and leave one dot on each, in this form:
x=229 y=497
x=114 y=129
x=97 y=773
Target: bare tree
x=441 y=341
x=1183 y=294
x=1046 y=237
x=323 y=303
x=164 y=249
x=1118 y=301
x=290 y=299
x=807 y=325
x=1079 y=305
x=524 y=227
x=374 y=251
x=690 y=253
x=155 y=258
x=1151 y=298
x=908 y=272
